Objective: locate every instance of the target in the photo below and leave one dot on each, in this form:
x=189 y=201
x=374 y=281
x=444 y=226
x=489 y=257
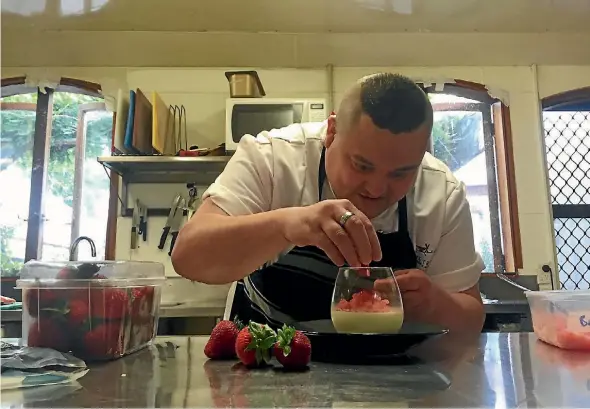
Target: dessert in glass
x=367 y=300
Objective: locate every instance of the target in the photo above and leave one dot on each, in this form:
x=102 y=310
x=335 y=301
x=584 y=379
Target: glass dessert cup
x=366 y=300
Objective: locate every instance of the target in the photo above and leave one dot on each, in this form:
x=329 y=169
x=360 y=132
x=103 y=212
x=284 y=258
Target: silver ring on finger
x=344 y=218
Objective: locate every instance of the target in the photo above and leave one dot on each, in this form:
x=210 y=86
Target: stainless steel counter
x=487 y=370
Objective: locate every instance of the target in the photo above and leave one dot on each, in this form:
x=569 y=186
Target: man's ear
x=331 y=131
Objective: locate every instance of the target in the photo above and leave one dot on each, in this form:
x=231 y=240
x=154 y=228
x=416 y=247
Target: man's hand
x=425 y=301
x=419 y=294
x=318 y=225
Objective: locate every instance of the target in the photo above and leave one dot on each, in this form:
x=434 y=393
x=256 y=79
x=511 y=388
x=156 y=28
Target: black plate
x=327 y=345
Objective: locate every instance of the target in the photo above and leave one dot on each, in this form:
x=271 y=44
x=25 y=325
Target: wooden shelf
x=201 y=170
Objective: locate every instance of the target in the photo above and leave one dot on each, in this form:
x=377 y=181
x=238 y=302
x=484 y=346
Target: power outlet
x=544 y=278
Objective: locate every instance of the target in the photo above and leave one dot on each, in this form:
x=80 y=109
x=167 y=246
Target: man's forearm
x=458 y=311
x=219 y=249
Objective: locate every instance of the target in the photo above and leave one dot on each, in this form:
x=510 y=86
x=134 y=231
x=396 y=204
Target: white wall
x=203 y=92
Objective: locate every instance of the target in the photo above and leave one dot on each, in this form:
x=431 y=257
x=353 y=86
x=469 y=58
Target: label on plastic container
x=578 y=321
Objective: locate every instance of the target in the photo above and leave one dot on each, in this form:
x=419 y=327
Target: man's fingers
x=406 y=282
x=359 y=219
x=357 y=232
x=331 y=250
x=340 y=238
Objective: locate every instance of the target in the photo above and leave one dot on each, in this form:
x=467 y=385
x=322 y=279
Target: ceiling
x=300 y=16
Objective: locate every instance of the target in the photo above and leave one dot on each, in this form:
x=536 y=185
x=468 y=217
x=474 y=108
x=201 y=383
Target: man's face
x=372 y=167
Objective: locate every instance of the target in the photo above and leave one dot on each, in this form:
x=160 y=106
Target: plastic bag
x=23 y=367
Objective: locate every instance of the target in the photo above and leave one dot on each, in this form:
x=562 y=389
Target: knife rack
x=202 y=170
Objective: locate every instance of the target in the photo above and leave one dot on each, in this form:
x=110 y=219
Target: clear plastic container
x=95 y=310
x=561 y=318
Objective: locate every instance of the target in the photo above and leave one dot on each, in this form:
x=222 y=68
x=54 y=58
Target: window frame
x=498 y=149
x=41 y=143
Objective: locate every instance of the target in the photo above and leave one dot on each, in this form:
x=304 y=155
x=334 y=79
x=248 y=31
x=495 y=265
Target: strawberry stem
x=263 y=338
x=239 y=324
x=285 y=337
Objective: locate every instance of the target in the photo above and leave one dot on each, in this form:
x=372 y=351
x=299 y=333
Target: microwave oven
x=253 y=115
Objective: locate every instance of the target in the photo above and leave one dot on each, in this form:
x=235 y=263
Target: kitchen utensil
x=367 y=300
x=128 y=143
x=142 y=227
x=170 y=220
x=176 y=223
x=182 y=131
x=328 y=345
x=134 y=226
x=121 y=121
x=142 y=124
x=244 y=84
x=176 y=128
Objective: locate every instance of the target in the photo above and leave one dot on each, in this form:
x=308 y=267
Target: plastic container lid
x=79 y=273
x=559 y=294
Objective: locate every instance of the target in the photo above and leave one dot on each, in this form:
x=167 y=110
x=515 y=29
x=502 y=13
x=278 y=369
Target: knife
x=134 y=226
x=142 y=229
x=175 y=226
x=173 y=210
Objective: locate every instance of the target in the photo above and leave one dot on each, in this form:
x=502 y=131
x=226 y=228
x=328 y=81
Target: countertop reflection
x=482 y=370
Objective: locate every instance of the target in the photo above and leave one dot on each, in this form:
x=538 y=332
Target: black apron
x=298 y=287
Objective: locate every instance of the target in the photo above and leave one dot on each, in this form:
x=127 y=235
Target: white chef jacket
x=279 y=168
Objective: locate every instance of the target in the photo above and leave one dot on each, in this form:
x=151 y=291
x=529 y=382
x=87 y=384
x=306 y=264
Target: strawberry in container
x=97 y=311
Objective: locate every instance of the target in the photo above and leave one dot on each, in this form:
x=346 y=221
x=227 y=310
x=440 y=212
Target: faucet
x=74 y=247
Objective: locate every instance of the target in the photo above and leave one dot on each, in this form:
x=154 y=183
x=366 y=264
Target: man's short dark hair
x=394 y=102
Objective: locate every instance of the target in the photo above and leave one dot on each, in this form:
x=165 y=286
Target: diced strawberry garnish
x=364 y=301
x=551 y=327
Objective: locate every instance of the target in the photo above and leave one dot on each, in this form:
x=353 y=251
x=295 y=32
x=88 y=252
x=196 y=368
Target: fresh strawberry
x=222 y=342
x=293 y=349
x=254 y=343
x=78 y=312
x=38 y=299
x=142 y=300
x=108 y=303
x=46 y=333
x=67 y=273
x=104 y=341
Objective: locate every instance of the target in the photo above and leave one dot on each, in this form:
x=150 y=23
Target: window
x=566 y=121
x=55 y=190
x=469 y=136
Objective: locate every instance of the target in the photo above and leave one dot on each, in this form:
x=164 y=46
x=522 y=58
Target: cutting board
x=128 y=144
x=142 y=124
x=121 y=121
x=162 y=141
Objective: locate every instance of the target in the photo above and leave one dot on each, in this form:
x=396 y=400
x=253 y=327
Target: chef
x=295 y=204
